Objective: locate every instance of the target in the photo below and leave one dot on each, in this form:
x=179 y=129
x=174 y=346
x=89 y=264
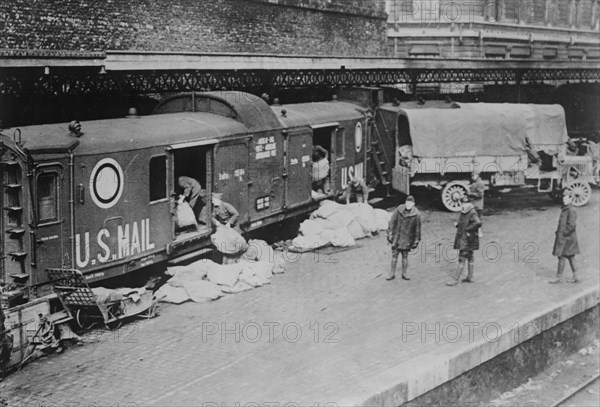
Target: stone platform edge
x=409 y=380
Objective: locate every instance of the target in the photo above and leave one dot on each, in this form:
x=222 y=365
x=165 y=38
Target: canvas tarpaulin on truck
x=484 y=129
x=545 y=125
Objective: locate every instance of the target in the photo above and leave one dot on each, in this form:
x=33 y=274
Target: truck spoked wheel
x=451 y=195
x=580 y=191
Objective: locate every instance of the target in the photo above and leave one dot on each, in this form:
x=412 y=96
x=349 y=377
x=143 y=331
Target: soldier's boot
x=461 y=265
x=573 y=279
x=405 y=269
x=471 y=268
x=559 y=273
x=392 y=273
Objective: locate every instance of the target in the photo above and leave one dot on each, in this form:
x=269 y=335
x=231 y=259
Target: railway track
x=578 y=390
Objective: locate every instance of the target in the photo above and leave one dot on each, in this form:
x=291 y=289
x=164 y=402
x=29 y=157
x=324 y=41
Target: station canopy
x=486 y=129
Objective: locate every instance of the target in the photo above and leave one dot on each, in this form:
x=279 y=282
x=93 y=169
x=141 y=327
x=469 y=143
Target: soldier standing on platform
x=466 y=240
x=404 y=234
x=566 y=245
x=476 y=192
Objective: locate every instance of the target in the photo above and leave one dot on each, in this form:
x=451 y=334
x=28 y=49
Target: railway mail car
x=102 y=201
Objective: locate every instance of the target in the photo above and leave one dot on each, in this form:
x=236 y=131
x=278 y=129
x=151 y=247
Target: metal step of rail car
x=379 y=161
x=12 y=249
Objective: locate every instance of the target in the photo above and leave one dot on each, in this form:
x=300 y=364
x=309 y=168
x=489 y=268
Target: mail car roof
x=246 y=108
x=113 y=135
x=411 y=104
x=317 y=113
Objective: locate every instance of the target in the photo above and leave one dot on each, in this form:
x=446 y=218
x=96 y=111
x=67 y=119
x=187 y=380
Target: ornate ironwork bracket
x=74 y=83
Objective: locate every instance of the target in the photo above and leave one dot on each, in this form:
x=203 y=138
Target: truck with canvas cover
x=508 y=144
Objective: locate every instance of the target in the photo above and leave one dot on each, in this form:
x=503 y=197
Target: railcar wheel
x=581 y=192
x=452 y=194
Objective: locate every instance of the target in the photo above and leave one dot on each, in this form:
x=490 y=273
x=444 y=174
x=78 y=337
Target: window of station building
x=576 y=54
x=593 y=54
x=158 y=178
x=520 y=53
x=47 y=197
x=340 y=144
x=550 y=53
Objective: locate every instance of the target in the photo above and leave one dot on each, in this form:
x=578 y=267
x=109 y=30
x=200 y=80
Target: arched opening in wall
x=394 y=94
x=581 y=102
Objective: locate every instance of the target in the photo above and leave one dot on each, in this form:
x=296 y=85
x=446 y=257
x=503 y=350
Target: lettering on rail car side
x=94 y=276
x=239 y=174
x=305 y=160
x=353 y=170
x=146 y=261
x=131 y=239
x=265 y=147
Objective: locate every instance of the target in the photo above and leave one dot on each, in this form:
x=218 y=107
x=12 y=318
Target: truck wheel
x=580 y=191
x=451 y=195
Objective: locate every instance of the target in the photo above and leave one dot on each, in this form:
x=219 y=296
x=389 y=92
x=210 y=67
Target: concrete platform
x=332 y=330
x=419 y=376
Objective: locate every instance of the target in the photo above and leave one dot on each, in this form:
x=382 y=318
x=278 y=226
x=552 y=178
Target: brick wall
x=373 y=8
x=321 y=27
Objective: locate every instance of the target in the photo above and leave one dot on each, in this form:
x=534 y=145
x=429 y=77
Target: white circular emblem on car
x=106 y=183
x=358 y=136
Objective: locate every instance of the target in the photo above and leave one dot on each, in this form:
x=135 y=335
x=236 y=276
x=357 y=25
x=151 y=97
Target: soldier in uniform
x=404 y=234
x=223 y=213
x=320 y=170
x=191 y=190
x=466 y=240
x=357 y=190
x=476 y=192
x=566 y=245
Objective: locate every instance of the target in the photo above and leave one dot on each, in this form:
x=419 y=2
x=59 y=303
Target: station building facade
x=551 y=30
x=548 y=33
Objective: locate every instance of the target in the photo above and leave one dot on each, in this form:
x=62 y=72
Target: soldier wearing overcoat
x=466 y=240
x=404 y=234
x=565 y=241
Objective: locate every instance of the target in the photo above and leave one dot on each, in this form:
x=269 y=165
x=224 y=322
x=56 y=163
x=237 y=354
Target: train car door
x=265 y=185
x=159 y=182
x=192 y=165
x=231 y=176
x=297 y=167
x=50 y=198
x=324 y=135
